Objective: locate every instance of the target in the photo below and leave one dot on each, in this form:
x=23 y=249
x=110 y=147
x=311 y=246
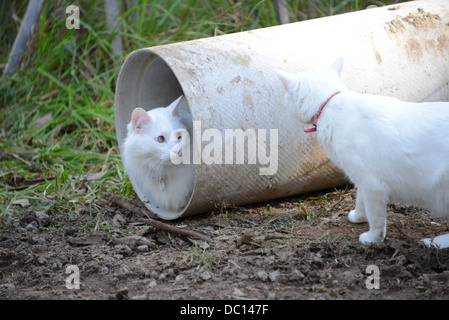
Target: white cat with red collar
x=393 y=151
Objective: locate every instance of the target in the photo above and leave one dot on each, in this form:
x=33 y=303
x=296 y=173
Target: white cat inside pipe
x=228 y=85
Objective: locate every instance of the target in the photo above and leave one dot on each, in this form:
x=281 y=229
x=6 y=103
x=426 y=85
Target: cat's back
x=391 y=115
x=388 y=134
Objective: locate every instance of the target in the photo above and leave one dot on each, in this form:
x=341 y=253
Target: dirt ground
x=275 y=250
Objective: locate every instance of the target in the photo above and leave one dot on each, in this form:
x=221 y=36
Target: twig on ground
x=26 y=183
x=119 y=202
x=135 y=240
x=116 y=200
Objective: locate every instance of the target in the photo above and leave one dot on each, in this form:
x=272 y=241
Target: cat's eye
x=160 y=139
x=179 y=137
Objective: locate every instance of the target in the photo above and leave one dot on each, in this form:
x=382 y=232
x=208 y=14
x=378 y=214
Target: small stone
x=122 y=294
x=179 y=278
x=238 y=292
x=32 y=226
x=152 y=284
x=126 y=270
x=299 y=274
x=205 y=275
x=170 y=273
x=21 y=202
x=123 y=249
x=262 y=275
x=243 y=276
x=42 y=218
x=142 y=248
x=118 y=221
x=9 y=286
x=274 y=275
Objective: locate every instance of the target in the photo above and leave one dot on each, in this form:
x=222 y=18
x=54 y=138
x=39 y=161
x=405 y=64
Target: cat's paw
x=356 y=217
x=441 y=242
x=371 y=237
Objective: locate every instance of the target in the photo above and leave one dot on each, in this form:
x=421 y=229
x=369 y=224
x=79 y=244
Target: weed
x=200 y=256
x=269 y=208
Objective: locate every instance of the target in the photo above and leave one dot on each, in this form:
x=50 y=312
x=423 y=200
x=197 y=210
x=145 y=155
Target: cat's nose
x=178 y=152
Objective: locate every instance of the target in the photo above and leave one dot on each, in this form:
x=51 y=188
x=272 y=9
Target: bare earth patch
x=294 y=248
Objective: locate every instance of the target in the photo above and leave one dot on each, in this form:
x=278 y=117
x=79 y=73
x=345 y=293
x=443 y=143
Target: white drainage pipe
x=229 y=83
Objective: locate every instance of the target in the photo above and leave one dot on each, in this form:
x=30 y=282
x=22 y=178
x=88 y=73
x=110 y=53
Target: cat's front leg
x=358 y=215
x=375 y=201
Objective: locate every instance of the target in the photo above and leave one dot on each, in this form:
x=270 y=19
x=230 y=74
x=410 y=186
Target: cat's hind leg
x=358 y=215
x=375 y=202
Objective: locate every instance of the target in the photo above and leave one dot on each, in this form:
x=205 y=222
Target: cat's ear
x=139 y=119
x=285 y=77
x=337 y=66
x=173 y=108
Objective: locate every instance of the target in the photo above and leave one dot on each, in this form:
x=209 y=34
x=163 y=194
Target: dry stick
x=23 y=37
x=281 y=9
x=138 y=240
x=26 y=183
x=154 y=223
x=112 y=9
x=312 y=11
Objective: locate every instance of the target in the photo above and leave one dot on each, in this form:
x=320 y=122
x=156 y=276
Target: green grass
x=56 y=113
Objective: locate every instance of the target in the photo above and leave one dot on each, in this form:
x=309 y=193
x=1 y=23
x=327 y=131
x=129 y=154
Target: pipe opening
x=146 y=81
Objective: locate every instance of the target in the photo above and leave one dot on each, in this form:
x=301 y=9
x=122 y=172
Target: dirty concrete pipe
x=229 y=83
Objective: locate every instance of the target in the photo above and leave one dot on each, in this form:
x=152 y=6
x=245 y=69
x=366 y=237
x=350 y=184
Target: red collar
x=317 y=115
